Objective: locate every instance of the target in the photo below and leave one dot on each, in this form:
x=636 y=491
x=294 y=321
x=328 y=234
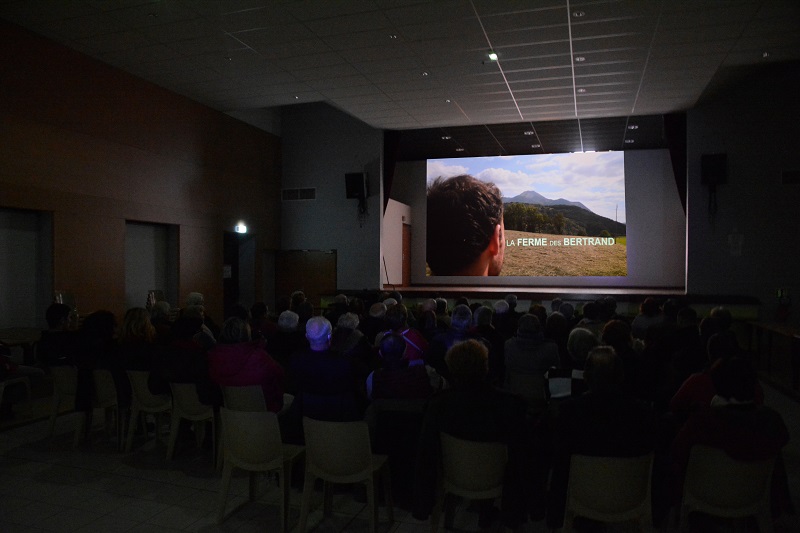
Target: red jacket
x=247 y=363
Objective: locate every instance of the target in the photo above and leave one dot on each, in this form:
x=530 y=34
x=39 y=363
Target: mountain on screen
x=533 y=197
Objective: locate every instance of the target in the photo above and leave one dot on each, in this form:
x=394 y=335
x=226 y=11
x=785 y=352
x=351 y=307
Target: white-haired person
x=195 y=299
x=325 y=382
x=287 y=338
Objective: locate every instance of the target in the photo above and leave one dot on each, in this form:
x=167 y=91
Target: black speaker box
x=354 y=185
x=714 y=169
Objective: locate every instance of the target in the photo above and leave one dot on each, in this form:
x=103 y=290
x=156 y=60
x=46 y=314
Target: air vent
x=292 y=195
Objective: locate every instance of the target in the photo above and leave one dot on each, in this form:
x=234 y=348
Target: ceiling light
x=297 y=98
x=765 y=54
x=393 y=36
x=633 y=127
x=629 y=141
x=529 y=132
x=580 y=59
x=425 y=73
x=536 y=146
x=581 y=90
x=447 y=101
x=446 y=137
x=493 y=56
x=459 y=149
x=578 y=14
x=240 y=227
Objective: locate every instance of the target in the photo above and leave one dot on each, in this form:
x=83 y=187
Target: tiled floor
x=46 y=485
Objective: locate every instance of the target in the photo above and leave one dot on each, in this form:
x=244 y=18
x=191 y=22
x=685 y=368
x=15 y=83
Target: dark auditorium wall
x=98 y=147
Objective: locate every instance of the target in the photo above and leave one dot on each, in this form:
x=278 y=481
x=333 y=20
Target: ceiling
x=569 y=75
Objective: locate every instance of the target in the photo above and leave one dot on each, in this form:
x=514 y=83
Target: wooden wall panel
x=97 y=146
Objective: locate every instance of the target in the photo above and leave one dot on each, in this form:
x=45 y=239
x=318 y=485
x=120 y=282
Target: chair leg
x=305 y=505
x=285 y=481
x=227 y=472
x=173 y=435
x=134 y=420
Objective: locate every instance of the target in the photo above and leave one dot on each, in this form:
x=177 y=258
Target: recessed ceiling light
x=765 y=54
x=447 y=101
x=581 y=90
x=633 y=127
x=580 y=59
x=446 y=137
x=425 y=73
x=578 y=14
x=536 y=146
x=297 y=98
x=629 y=141
x=393 y=36
x=529 y=132
x=459 y=149
x=493 y=56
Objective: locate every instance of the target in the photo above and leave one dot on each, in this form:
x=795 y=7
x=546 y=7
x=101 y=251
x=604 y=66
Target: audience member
x=472 y=409
x=287 y=338
x=197 y=299
x=396 y=378
x=261 y=326
x=58 y=343
x=483 y=328
x=237 y=361
x=528 y=354
x=568 y=382
x=649 y=315
x=160 y=317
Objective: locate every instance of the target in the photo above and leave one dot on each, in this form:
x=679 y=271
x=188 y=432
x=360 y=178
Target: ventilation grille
x=292 y=195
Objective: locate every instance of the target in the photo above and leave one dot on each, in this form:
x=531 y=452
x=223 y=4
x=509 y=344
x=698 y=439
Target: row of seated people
x=593 y=404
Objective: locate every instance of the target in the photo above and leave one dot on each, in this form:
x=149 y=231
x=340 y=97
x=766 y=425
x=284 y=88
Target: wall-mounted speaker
x=714 y=169
x=354 y=185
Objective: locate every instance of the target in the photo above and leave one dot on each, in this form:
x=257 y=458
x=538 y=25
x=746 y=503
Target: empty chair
x=719 y=485
x=340 y=452
x=244 y=397
x=65 y=384
x=143 y=401
x=105 y=397
x=186 y=405
x=609 y=489
x=470 y=469
x=253 y=443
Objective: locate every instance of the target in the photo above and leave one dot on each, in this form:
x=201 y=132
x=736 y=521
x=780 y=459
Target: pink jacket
x=247 y=363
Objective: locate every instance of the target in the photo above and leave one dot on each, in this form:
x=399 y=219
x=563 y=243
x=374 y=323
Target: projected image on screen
x=532 y=215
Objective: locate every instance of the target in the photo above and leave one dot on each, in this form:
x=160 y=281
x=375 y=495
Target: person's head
x=722 y=346
x=160 y=311
x=482 y=316
x=347 y=321
x=288 y=320
x=591 y=311
x=603 y=369
x=340 y=299
x=397 y=317
x=377 y=310
x=318 y=333
x=468 y=362
x=136 y=326
x=429 y=304
x=397 y=296
x=579 y=342
x=99 y=326
x=196 y=311
x=391 y=349
x=567 y=309
x=687 y=317
x=555 y=304
x=389 y=303
x=539 y=311
x=529 y=326
x=296 y=299
x=512 y=301
x=465 y=234
x=194 y=298
x=57 y=316
x=556 y=326
x=234 y=331
x=441 y=306
x=735 y=379
x=649 y=307
x=501 y=307
x=461 y=319
x=617 y=333
x=722 y=317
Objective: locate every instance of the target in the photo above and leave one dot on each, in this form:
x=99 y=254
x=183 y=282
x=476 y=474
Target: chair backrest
x=720 y=485
x=473 y=469
x=244 y=398
x=610 y=489
x=65 y=380
x=105 y=391
x=187 y=403
x=252 y=438
x=338 y=451
x=141 y=392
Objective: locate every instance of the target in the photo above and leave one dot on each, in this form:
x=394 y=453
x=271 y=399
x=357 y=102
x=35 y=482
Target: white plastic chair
x=340 y=452
x=609 y=489
x=470 y=469
x=244 y=397
x=186 y=405
x=253 y=443
x=143 y=401
x=105 y=397
x=65 y=385
x=719 y=485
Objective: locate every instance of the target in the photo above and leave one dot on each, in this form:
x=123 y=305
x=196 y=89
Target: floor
x=47 y=485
